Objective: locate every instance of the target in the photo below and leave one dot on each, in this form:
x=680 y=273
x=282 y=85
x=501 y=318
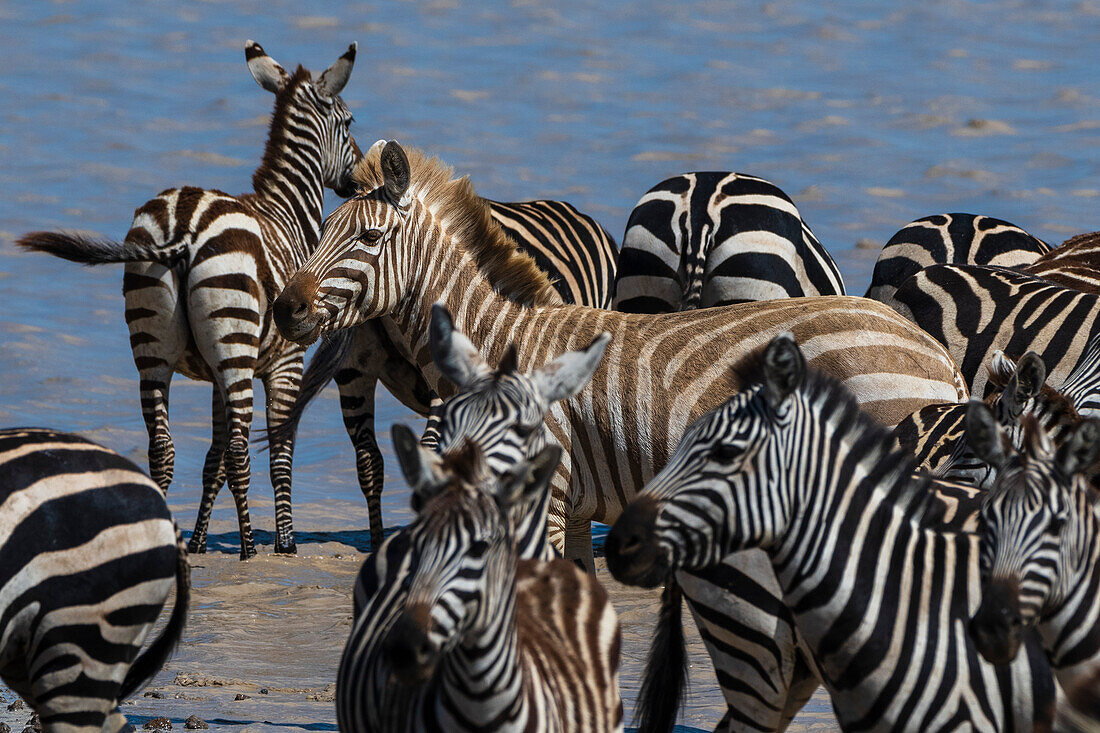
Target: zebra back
x=1075 y=264
x=951 y=239
x=713 y=238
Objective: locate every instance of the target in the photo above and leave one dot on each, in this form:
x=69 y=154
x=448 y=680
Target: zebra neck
x=1071 y=632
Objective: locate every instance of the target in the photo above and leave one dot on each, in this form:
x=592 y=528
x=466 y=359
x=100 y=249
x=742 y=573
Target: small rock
x=158 y=723
x=17 y=705
x=155 y=695
x=29 y=729
x=5 y=728
x=263 y=690
x=194 y=722
x=866 y=243
x=34 y=724
x=242 y=696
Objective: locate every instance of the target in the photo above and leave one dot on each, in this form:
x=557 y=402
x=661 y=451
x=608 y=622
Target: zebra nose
x=293 y=310
x=631 y=546
x=409 y=651
x=997 y=627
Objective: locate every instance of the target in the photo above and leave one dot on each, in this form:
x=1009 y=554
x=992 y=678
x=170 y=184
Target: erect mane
x=469 y=221
x=277 y=138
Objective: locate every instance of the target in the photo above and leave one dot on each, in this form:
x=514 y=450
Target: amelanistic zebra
x=478 y=639
x=951 y=239
x=878 y=592
x=572 y=248
x=713 y=238
x=414 y=237
x=1040 y=556
x=207 y=318
x=935 y=434
x=89 y=555
x=975 y=311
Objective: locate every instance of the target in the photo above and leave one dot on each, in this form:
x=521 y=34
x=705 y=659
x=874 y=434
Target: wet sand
x=272 y=629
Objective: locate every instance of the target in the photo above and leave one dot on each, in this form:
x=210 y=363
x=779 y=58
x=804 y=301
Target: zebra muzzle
x=997 y=627
x=294 y=313
x=409 y=651
x=633 y=554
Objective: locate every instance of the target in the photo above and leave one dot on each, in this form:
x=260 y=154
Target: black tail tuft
x=151 y=659
x=321 y=370
x=90 y=250
x=666 y=668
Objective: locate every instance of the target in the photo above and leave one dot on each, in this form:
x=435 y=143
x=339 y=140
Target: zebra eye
x=371 y=236
x=525 y=431
x=724 y=452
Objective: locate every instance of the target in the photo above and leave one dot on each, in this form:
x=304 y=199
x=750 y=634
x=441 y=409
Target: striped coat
x=89 y=556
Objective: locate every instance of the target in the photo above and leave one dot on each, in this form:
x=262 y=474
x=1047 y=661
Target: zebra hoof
x=247 y=552
x=286 y=548
x=196 y=547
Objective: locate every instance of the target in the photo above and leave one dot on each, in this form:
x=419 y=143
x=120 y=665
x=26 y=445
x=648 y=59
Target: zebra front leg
x=281 y=388
x=430 y=438
x=213 y=472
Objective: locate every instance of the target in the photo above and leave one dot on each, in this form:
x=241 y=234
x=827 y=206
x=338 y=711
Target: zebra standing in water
x=1040 y=555
x=415 y=236
x=572 y=248
x=208 y=318
x=476 y=638
x=699 y=240
x=791 y=465
x=89 y=555
x=951 y=239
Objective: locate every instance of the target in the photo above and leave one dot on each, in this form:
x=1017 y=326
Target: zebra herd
x=804 y=468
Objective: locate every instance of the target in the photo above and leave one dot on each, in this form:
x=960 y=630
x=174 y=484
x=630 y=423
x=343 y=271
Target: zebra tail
x=90 y=250
x=153 y=657
x=324 y=365
x=666 y=668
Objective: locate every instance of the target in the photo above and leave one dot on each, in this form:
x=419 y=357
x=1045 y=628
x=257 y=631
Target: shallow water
x=869 y=114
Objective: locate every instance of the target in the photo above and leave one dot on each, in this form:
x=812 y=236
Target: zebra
x=1075 y=264
x=413 y=237
x=878 y=592
x=703 y=239
x=935 y=434
x=1040 y=555
x=572 y=248
x=207 y=318
x=89 y=555
x=951 y=239
x=974 y=311
x=475 y=638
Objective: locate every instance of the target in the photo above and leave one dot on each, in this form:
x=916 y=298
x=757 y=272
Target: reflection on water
x=869 y=114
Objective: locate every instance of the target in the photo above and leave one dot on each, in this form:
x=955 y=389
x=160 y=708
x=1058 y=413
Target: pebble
x=17 y=705
x=158 y=724
x=34 y=724
x=866 y=243
x=5 y=728
x=194 y=722
x=155 y=695
x=263 y=690
x=242 y=696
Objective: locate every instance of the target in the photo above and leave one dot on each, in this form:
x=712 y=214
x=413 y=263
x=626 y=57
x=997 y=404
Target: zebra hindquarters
x=157 y=320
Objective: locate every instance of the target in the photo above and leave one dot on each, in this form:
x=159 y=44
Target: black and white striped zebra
x=878 y=591
x=475 y=638
x=950 y=239
x=89 y=556
x=974 y=311
x=208 y=318
x=572 y=248
x=1040 y=555
x=712 y=238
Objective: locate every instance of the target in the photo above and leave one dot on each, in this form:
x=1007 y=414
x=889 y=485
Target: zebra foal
x=89 y=555
x=878 y=590
x=207 y=317
x=476 y=638
x=1040 y=555
x=705 y=239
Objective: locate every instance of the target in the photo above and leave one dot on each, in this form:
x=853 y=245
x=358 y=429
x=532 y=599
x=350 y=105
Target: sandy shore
x=272 y=629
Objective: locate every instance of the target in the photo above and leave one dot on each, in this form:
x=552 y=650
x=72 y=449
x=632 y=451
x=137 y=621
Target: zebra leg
x=213 y=472
x=238 y=466
x=357 y=388
x=281 y=387
x=430 y=438
x=578 y=544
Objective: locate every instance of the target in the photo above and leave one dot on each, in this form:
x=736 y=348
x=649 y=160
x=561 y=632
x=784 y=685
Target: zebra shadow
x=230 y=542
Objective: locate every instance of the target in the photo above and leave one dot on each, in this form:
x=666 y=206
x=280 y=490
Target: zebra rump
x=88 y=557
x=89 y=250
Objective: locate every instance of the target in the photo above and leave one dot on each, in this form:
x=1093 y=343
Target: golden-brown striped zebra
x=208 y=317
x=413 y=236
x=89 y=555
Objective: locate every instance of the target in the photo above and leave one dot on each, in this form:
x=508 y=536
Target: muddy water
x=869 y=114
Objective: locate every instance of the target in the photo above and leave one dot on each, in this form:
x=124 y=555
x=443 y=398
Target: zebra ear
x=1080 y=449
x=531 y=479
x=1031 y=372
x=395 y=171
x=784 y=368
x=983 y=435
x=335 y=77
x=570 y=373
x=265 y=70
x=454 y=354
x=1000 y=368
x=419 y=465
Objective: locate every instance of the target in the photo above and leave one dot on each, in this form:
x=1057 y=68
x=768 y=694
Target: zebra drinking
x=208 y=317
x=89 y=555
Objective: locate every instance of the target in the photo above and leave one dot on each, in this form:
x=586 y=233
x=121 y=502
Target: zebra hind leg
x=281 y=388
x=155 y=384
x=213 y=472
x=357 y=389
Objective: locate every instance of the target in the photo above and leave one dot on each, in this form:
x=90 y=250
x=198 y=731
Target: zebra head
x=319 y=114
x=712 y=497
x=504 y=410
x=1031 y=537
x=461 y=586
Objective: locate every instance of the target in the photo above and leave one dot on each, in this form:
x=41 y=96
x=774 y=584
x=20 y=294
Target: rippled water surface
x=869 y=114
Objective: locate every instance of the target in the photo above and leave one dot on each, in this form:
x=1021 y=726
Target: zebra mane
x=469 y=222
x=277 y=138
x=465 y=464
